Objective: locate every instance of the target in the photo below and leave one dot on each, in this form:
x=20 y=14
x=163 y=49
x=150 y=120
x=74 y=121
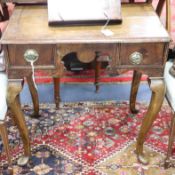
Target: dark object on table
x=78 y=12
x=30 y=2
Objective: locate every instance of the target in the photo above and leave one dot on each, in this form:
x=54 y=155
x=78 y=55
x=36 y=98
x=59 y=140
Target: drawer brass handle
x=136 y=58
x=31 y=55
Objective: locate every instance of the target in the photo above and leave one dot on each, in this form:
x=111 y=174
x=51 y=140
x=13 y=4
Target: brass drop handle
x=136 y=58
x=31 y=55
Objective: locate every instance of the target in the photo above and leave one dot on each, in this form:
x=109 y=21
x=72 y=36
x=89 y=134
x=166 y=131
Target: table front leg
x=158 y=92
x=18 y=116
x=34 y=95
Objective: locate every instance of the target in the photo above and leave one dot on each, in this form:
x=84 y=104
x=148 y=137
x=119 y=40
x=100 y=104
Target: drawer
x=16 y=54
x=87 y=52
x=142 y=54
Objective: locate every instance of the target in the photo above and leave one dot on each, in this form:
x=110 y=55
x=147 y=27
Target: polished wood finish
x=140 y=31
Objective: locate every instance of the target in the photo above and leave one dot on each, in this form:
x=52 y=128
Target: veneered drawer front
x=87 y=52
x=16 y=54
x=142 y=54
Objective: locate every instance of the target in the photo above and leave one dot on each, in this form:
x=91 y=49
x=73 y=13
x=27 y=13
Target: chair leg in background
x=170 y=142
x=4 y=136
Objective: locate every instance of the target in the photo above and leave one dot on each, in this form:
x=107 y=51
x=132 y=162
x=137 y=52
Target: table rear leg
x=134 y=90
x=34 y=95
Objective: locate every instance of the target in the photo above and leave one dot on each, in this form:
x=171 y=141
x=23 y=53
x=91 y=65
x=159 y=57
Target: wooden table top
x=29 y=25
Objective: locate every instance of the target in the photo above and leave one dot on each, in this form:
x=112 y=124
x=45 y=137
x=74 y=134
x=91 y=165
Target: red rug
x=88 y=76
x=90 y=139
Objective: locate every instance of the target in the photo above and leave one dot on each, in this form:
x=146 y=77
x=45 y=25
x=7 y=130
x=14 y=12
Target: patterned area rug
x=89 y=139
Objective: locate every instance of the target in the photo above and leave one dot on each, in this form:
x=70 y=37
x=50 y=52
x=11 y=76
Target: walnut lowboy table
x=139 y=43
